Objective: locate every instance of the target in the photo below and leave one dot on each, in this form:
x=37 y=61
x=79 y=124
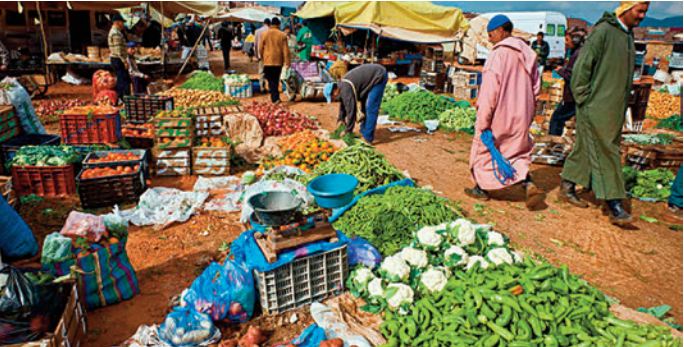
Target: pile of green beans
x=523 y=305
x=389 y=220
x=370 y=167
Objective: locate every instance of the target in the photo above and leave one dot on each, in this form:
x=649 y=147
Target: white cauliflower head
x=517 y=256
x=414 y=257
x=362 y=276
x=403 y=294
x=375 y=288
x=428 y=236
x=395 y=267
x=455 y=256
x=466 y=231
x=499 y=256
x=433 y=279
x=495 y=238
x=475 y=260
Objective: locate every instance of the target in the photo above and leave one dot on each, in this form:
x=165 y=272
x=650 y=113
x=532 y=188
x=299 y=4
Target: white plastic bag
x=334 y=327
x=85 y=225
x=227 y=192
x=161 y=206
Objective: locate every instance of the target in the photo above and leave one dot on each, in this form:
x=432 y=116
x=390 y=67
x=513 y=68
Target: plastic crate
x=303 y=281
x=10 y=148
x=110 y=190
x=143 y=161
x=90 y=129
x=140 y=108
x=10 y=126
x=45 y=181
x=140 y=142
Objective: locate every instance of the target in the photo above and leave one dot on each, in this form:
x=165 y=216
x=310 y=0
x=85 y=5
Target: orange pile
x=211 y=142
x=305 y=156
x=142 y=130
x=97 y=172
x=116 y=156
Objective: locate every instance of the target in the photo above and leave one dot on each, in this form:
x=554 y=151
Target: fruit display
x=198 y=98
x=278 y=121
x=662 y=105
x=97 y=172
x=305 y=155
x=48 y=111
x=92 y=109
x=116 y=156
x=177 y=113
x=208 y=142
x=290 y=142
x=143 y=130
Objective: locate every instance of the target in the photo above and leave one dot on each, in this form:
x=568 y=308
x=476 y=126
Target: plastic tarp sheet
x=204 y=8
x=246 y=15
x=161 y=207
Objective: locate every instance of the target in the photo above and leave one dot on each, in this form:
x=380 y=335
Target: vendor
x=340 y=67
x=304 y=42
x=118 y=56
x=365 y=84
x=139 y=78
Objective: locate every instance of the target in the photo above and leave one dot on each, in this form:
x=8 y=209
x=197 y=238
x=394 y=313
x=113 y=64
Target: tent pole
x=192 y=51
x=162 y=48
x=44 y=40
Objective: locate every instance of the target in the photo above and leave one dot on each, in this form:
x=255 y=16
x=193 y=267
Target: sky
x=588 y=10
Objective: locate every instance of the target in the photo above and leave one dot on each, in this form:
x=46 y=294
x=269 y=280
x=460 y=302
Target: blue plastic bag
x=185 y=327
x=17 y=238
x=362 y=252
x=220 y=290
x=312 y=336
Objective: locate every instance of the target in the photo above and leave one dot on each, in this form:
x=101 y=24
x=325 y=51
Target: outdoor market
x=199 y=173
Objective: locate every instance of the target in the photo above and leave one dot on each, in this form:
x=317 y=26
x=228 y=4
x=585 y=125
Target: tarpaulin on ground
x=412 y=21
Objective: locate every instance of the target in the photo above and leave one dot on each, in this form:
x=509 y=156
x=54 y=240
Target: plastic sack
x=145 y=336
x=334 y=327
x=21 y=100
x=185 y=327
x=85 y=225
x=17 y=238
x=56 y=248
x=116 y=225
x=106 y=97
x=226 y=192
x=103 y=80
x=222 y=292
x=362 y=252
x=28 y=310
x=161 y=207
x=312 y=336
x=287 y=185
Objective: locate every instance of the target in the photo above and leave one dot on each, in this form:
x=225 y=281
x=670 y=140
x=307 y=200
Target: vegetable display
x=45 y=156
x=277 y=121
x=389 y=220
x=648 y=139
x=458 y=119
x=116 y=156
x=417 y=106
x=662 y=105
x=370 y=167
x=528 y=304
x=143 y=130
x=208 y=142
x=177 y=113
x=49 y=110
x=203 y=80
x=236 y=80
x=391 y=91
x=199 y=98
x=649 y=184
x=97 y=172
x=673 y=122
x=305 y=156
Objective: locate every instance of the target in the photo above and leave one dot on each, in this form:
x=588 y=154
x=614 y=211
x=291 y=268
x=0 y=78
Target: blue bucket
x=333 y=190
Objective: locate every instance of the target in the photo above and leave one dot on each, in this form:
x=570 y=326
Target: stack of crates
x=209 y=124
x=433 y=69
x=173 y=137
x=466 y=84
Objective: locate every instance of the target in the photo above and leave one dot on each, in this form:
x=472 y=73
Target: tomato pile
x=97 y=172
x=277 y=121
x=143 y=130
x=305 y=156
x=116 y=156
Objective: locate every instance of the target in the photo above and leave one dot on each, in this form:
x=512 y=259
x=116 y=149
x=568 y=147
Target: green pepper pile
x=370 y=167
x=673 y=122
x=649 y=184
x=417 y=106
x=389 y=220
x=203 y=80
x=522 y=305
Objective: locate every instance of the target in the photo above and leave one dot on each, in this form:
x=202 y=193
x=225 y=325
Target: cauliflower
x=362 y=276
x=375 y=288
x=398 y=294
x=428 y=236
x=455 y=256
x=414 y=257
x=477 y=259
x=433 y=280
x=466 y=231
x=499 y=256
x=496 y=239
x=395 y=268
x=517 y=256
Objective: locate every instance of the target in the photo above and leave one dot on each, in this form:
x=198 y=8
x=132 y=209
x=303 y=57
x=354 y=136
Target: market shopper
x=118 y=57
x=225 y=36
x=304 y=42
x=257 y=39
x=365 y=84
x=275 y=54
x=601 y=82
x=139 y=79
x=505 y=106
x=541 y=47
x=574 y=39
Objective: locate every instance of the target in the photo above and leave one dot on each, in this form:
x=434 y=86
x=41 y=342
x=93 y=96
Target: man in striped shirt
x=118 y=56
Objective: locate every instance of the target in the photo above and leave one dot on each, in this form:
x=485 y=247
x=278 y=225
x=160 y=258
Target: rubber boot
x=477 y=193
x=569 y=194
x=618 y=215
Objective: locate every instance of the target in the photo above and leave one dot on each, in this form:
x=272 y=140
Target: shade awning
x=245 y=15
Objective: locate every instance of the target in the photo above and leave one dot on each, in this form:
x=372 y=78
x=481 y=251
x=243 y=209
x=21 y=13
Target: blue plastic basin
x=333 y=190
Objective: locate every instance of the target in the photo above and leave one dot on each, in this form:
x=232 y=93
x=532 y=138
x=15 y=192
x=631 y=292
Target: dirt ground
x=640 y=266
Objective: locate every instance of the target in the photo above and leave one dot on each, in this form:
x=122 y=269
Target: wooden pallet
x=272 y=243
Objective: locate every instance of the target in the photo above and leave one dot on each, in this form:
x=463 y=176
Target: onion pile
x=49 y=110
x=278 y=121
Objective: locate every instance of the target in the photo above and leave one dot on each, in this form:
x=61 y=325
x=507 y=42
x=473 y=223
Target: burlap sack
x=244 y=129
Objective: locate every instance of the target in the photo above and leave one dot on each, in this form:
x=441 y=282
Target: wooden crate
x=6 y=190
x=466 y=79
x=209 y=125
x=646 y=157
x=211 y=160
x=172 y=162
x=466 y=93
x=173 y=133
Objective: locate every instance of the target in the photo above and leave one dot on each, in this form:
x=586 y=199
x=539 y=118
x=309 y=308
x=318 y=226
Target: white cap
x=346 y=58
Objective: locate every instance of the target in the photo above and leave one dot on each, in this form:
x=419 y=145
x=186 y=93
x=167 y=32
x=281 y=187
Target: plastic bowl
x=333 y=190
x=274 y=208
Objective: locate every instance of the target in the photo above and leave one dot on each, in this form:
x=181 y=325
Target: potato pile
x=662 y=105
x=196 y=98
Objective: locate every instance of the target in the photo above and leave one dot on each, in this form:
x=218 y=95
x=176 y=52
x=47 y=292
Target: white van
x=552 y=24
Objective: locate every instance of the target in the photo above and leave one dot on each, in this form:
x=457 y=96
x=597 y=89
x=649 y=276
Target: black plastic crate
x=144 y=160
x=140 y=142
x=10 y=148
x=110 y=190
x=140 y=108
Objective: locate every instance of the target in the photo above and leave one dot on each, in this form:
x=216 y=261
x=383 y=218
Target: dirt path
x=640 y=267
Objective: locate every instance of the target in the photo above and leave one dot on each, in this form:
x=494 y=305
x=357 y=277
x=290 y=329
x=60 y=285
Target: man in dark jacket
x=574 y=39
x=542 y=48
x=601 y=83
x=225 y=35
x=364 y=84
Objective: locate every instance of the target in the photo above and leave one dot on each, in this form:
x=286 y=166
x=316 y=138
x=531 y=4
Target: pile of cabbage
x=424 y=266
x=45 y=156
